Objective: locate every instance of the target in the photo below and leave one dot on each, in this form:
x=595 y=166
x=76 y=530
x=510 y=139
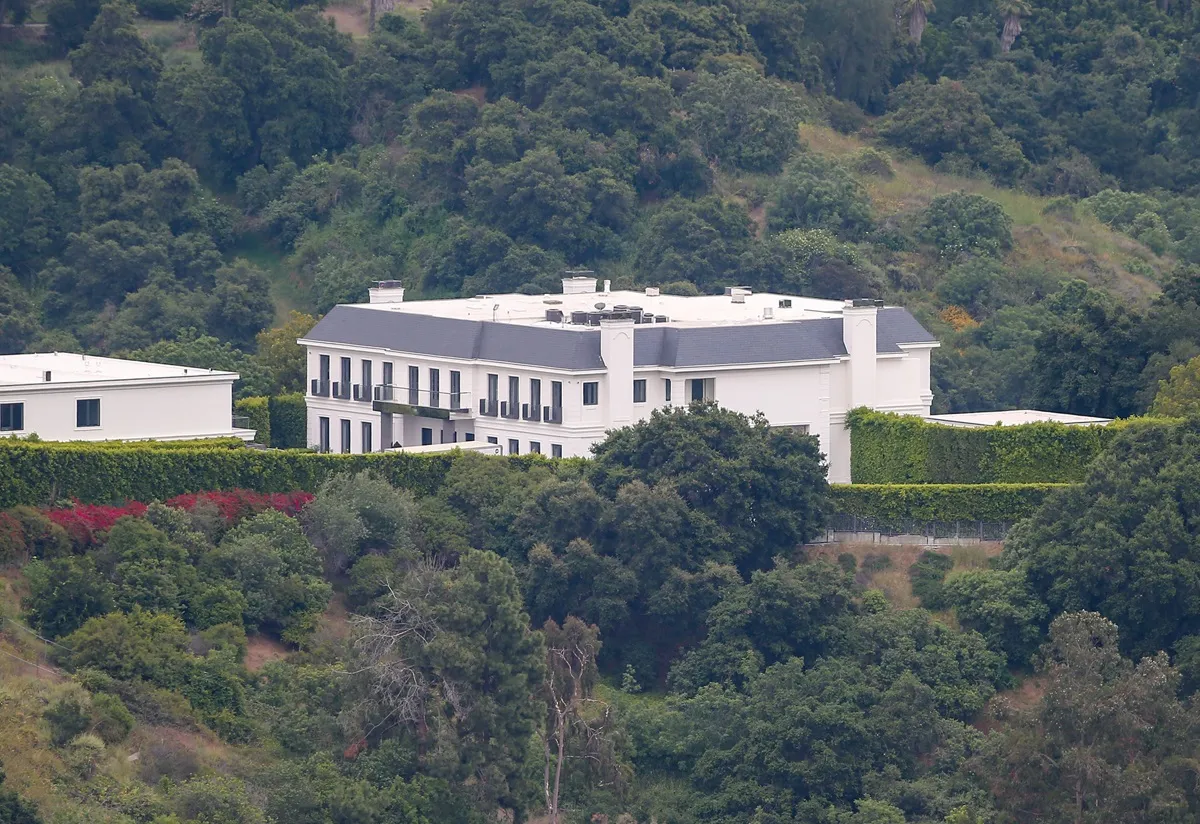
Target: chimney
x=579 y=282
x=607 y=286
x=386 y=291
x=616 y=350
x=858 y=334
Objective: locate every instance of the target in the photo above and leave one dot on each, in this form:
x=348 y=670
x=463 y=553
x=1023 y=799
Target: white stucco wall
x=159 y=410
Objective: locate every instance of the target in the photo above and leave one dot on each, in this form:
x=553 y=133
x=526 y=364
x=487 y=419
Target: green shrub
x=1002 y=503
x=927 y=576
x=288 y=421
x=68 y=717
x=962 y=222
x=111 y=719
x=901 y=449
x=12 y=539
x=258 y=415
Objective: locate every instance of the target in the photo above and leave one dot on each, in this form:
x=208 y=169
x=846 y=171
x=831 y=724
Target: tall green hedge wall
x=901 y=449
x=40 y=473
x=257 y=411
x=1004 y=503
x=288 y=421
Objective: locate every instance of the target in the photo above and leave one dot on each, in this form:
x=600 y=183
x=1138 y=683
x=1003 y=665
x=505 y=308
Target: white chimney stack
x=858 y=334
x=386 y=291
x=607 y=286
x=616 y=350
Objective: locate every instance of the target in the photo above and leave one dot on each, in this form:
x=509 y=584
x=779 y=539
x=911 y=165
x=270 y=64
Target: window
x=345 y=377
x=667 y=390
x=535 y=447
x=426 y=436
x=493 y=390
x=514 y=446
x=435 y=387
x=493 y=439
x=514 y=395
x=366 y=437
x=87 y=412
x=345 y=436
x=535 y=399
x=366 y=380
x=12 y=417
x=700 y=389
x=323 y=436
x=591 y=393
x=387 y=374
x=324 y=369
x=639 y=391
x=555 y=450
x=556 y=394
x=470 y=437
x=455 y=389
x=414 y=385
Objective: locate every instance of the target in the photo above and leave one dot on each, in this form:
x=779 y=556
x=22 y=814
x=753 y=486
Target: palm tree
x=1012 y=11
x=917 y=12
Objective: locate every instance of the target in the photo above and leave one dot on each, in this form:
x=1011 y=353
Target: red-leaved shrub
x=236 y=504
x=12 y=539
x=83 y=521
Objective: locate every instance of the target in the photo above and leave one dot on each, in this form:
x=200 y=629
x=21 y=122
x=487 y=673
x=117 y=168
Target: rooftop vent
x=579 y=282
x=730 y=291
x=785 y=303
x=652 y=291
x=386 y=291
x=862 y=302
x=768 y=313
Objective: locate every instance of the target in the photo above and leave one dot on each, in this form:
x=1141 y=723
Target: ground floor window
x=514 y=446
x=555 y=450
x=535 y=448
x=345 y=436
x=366 y=436
x=87 y=412
x=323 y=434
x=12 y=417
x=493 y=439
x=426 y=436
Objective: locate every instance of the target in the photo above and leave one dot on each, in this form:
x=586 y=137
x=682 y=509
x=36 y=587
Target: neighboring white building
x=65 y=397
x=1014 y=417
x=554 y=373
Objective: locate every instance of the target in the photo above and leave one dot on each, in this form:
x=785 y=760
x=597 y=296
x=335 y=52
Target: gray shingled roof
x=579 y=349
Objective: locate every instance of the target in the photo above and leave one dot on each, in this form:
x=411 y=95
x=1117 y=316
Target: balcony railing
x=362 y=393
x=423 y=398
x=510 y=410
x=341 y=390
x=320 y=388
x=531 y=413
x=489 y=407
x=552 y=414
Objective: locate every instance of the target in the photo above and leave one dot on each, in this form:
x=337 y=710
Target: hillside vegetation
x=178 y=177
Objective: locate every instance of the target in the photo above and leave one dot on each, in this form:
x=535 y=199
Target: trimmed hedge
x=1002 y=503
x=257 y=411
x=887 y=448
x=205 y=443
x=40 y=473
x=288 y=421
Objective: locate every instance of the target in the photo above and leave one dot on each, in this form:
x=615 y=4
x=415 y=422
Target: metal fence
x=978 y=530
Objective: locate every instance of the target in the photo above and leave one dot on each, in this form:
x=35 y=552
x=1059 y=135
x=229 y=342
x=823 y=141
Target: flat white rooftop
x=67 y=367
x=1011 y=417
x=703 y=310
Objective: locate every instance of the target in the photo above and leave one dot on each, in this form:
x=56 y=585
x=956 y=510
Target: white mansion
x=553 y=373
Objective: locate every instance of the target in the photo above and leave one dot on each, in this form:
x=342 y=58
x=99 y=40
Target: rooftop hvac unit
x=554 y=315
x=768 y=313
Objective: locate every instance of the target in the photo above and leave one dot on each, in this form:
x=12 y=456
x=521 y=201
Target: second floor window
x=435 y=387
x=535 y=397
x=455 y=389
x=387 y=373
x=591 y=393
x=414 y=385
x=667 y=390
x=324 y=369
x=639 y=391
x=346 y=376
x=366 y=378
x=556 y=394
